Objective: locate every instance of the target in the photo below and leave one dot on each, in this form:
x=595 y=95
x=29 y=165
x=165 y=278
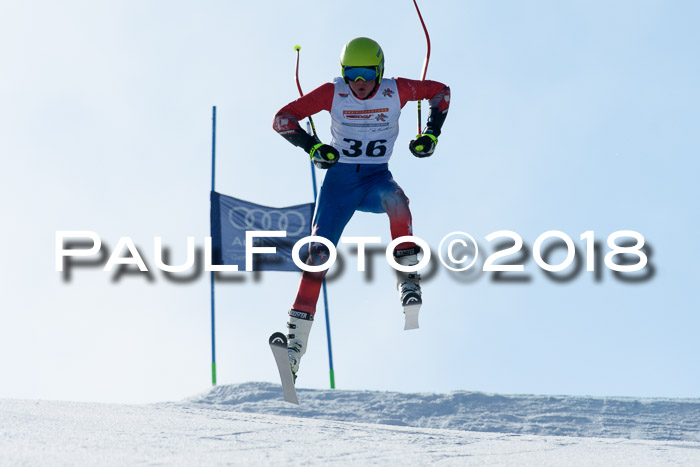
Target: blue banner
x=231 y=218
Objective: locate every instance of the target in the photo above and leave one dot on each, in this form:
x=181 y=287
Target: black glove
x=423 y=145
x=324 y=155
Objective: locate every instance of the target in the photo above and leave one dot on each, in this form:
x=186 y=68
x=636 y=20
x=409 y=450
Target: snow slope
x=653 y=419
x=220 y=428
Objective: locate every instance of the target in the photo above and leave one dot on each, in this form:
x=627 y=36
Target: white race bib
x=364 y=131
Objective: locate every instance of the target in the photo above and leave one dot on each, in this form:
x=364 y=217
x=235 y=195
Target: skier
x=365 y=111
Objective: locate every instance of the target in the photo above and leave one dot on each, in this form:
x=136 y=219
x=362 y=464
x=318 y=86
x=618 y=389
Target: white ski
x=411 y=314
x=278 y=345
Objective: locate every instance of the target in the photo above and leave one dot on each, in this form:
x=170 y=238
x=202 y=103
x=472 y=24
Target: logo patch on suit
x=365 y=114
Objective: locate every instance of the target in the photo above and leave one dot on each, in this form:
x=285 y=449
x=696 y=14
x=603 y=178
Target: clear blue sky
x=571 y=116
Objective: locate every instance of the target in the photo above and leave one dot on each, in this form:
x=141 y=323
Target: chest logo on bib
x=388 y=92
x=365 y=114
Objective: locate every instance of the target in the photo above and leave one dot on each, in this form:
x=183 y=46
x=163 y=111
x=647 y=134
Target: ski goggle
x=357 y=73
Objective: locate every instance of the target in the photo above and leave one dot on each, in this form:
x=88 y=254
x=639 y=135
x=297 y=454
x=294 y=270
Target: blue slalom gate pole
x=328 y=333
x=211 y=273
x=311 y=129
x=325 y=292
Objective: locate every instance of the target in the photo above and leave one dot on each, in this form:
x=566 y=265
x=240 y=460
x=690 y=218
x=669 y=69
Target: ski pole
x=425 y=62
x=297 y=48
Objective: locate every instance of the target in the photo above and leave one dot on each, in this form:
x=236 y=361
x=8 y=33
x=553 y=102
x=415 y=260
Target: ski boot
x=299 y=327
x=408 y=285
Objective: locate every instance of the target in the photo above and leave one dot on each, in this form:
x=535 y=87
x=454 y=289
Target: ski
x=411 y=301
x=411 y=314
x=278 y=345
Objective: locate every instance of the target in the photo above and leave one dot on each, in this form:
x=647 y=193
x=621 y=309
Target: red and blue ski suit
x=361 y=180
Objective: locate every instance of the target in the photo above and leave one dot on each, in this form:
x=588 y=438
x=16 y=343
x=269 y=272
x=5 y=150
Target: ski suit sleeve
x=438 y=96
x=287 y=119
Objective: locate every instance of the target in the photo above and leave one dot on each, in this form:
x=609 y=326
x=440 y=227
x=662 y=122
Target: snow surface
x=653 y=419
x=247 y=424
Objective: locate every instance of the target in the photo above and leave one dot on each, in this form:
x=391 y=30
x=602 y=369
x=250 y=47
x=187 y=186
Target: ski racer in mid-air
x=365 y=110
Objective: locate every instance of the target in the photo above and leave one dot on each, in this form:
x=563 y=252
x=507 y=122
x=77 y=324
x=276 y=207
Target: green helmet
x=362 y=52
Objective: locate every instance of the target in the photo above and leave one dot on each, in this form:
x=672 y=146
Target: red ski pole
x=425 y=62
x=297 y=48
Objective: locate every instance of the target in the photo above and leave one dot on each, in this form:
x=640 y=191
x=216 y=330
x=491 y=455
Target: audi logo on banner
x=260 y=219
